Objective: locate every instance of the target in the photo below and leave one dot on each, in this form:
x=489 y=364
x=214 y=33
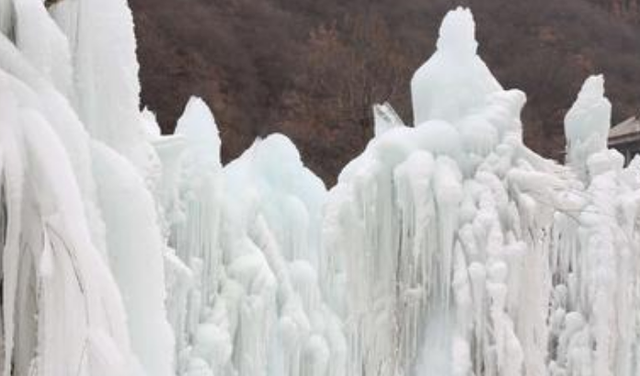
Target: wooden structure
x=625 y=137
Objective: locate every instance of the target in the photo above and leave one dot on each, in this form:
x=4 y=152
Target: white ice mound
x=454 y=80
x=587 y=123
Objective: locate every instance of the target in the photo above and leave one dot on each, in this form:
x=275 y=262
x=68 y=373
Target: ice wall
x=446 y=248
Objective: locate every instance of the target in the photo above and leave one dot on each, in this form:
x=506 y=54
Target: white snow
x=447 y=248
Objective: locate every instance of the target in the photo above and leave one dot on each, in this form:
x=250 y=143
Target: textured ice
x=468 y=253
x=587 y=123
x=454 y=80
x=447 y=248
x=83 y=264
x=62 y=312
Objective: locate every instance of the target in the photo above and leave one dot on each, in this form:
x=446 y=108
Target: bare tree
x=349 y=66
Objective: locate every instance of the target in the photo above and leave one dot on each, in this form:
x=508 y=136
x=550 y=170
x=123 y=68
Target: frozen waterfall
x=447 y=248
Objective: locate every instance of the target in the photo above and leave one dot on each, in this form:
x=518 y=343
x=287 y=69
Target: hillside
x=311 y=69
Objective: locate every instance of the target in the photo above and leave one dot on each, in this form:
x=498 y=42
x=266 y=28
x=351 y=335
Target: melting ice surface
x=447 y=248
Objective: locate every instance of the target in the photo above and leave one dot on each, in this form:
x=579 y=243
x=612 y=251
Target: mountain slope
x=310 y=69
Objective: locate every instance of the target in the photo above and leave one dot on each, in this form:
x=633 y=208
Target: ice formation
x=83 y=263
x=385 y=118
x=467 y=81
x=447 y=248
x=250 y=237
x=471 y=255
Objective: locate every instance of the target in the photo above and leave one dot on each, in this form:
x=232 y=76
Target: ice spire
x=458 y=34
x=455 y=80
x=587 y=123
x=199 y=127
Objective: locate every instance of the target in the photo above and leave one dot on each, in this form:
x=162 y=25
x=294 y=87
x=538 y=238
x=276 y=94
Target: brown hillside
x=311 y=68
